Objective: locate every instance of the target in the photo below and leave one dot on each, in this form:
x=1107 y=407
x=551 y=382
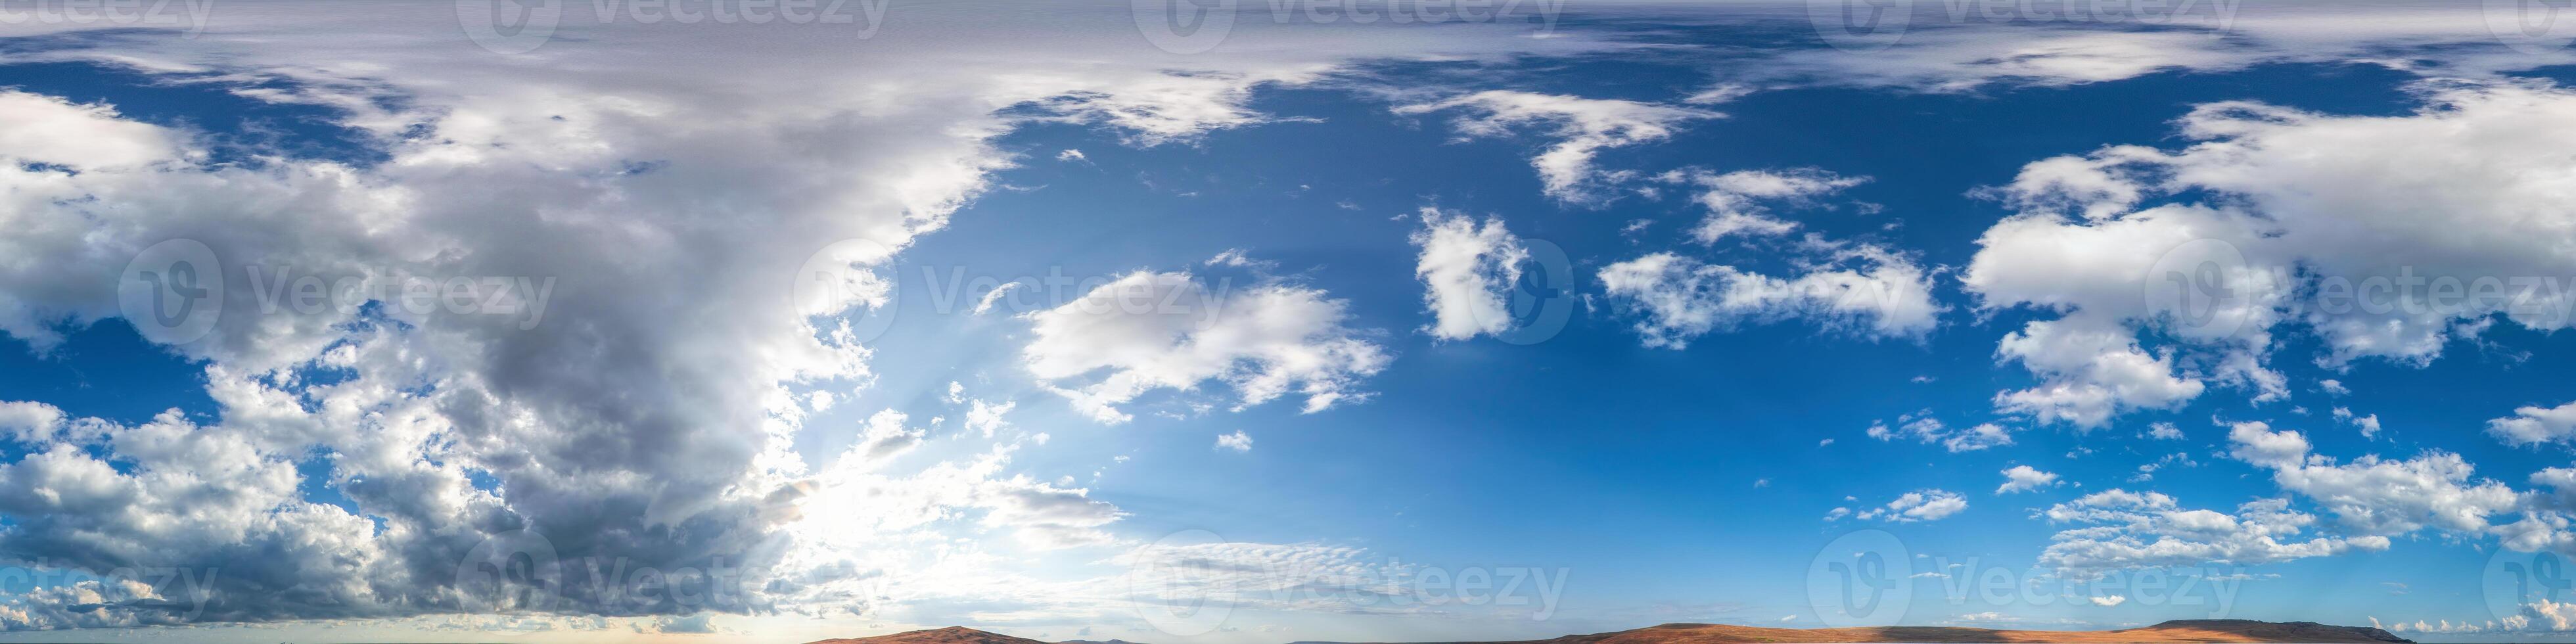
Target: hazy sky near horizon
x=1239 y=322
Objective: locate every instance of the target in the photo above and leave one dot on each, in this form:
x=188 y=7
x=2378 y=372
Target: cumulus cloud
x=1467 y=272
x=2376 y=496
x=2024 y=478
x=1928 y=430
x=1238 y=441
x=1581 y=126
x=652 y=415
x=1738 y=201
x=1862 y=290
x=2534 y=425
x=1919 y=505
x=2302 y=219
x=1147 y=331
x=2123 y=530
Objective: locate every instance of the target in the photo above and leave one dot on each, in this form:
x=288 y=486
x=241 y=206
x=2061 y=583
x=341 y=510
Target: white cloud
x=1238 y=441
x=2109 y=600
x=1582 y=127
x=50 y=130
x=2023 y=478
x=1867 y=291
x=652 y=415
x=1919 y=505
x=1148 y=331
x=2374 y=496
x=1959 y=59
x=984 y=304
x=2135 y=530
x=2164 y=431
x=2534 y=425
x=1735 y=200
x=2307 y=212
x=1467 y=273
x=1929 y=430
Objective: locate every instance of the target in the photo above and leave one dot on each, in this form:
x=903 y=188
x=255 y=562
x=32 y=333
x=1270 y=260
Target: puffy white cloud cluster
x=1923 y=428
x=2281 y=217
x=2134 y=530
x=1859 y=289
x=668 y=182
x=1148 y=331
x=2533 y=425
x=1918 y=505
x=1735 y=200
x=2376 y=496
x=1467 y=271
x=2024 y=478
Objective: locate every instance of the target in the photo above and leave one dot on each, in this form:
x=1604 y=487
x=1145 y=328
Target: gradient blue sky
x=914 y=459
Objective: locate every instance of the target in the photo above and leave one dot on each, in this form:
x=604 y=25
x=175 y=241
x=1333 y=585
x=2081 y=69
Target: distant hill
x=949 y=635
x=2181 y=630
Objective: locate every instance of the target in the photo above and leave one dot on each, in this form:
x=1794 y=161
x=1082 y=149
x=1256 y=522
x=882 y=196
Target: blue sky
x=1831 y=305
